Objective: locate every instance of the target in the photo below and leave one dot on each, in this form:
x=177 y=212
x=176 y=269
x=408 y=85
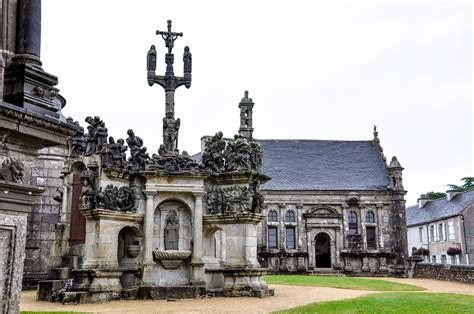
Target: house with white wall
x=437 y=225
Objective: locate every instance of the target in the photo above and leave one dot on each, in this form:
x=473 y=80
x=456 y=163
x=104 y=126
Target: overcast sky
x=315 y=70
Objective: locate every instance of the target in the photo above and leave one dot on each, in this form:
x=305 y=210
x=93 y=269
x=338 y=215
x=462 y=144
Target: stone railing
x=462 y=273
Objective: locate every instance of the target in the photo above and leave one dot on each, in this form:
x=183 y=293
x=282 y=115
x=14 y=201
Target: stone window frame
x=290 y=227
x=352 y=225
x=370 y=217
x=276 y=237
x=372 y=227
x=273 y=219
x=290 y=214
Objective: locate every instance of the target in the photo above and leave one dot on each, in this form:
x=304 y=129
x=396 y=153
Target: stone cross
x=169 y=81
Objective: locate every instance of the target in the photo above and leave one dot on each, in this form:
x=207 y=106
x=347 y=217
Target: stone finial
x=246 y=107
x=394 y=163
x=376 y=135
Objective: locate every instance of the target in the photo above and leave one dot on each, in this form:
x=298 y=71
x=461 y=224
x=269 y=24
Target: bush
x=454 y=251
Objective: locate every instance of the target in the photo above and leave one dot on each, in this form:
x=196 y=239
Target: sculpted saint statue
x=170 y=132
x=171 y=231
x=187 y=59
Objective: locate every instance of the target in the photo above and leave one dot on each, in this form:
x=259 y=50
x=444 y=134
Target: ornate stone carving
x=213 y=155
x=115 y=198
x=231 y=199
x=12 y=170
x=237 y=154
x=164 y=161
x=92 y=136
x=113 y=154
x=171 y=259
x=171 y=231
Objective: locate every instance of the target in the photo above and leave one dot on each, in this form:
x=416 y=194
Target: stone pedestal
x=15 y=204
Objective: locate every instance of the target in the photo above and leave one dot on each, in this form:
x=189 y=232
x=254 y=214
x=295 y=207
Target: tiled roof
x=438 y=209
x=323 y=165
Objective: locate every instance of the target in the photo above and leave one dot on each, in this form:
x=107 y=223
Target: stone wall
x=462 y=273
x=43 y=222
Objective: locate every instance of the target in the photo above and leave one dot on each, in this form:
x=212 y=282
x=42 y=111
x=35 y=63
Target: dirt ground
x=285 y=297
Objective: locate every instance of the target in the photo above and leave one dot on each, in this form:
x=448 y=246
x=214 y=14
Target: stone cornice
x=98 y=214
x=240 y=218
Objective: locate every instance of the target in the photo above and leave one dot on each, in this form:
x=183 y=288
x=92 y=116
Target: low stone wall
x=462 y=273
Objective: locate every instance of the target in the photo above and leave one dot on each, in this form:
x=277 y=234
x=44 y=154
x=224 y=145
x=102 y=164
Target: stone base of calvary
x=159 y=227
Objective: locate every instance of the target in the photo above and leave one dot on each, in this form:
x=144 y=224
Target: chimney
x=422 y=200
x=450 y=194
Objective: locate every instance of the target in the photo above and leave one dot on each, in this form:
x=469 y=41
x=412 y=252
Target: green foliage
x=340 y=282
x=399 y=302
x=435 y=195
x=466 y=186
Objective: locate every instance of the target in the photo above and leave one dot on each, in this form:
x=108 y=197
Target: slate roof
x=438 y=209
x=323 y=165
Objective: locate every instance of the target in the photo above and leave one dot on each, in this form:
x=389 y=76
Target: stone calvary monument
x=160 y=226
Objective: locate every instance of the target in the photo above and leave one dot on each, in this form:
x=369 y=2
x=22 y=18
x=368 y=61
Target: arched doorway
x=322 y=246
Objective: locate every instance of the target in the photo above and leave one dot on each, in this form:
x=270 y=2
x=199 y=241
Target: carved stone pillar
x=29 y=30
x=196 y=261
x=148 y=228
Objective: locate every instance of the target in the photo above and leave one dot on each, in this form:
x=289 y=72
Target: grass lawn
x=394 y=302
x=340 y=282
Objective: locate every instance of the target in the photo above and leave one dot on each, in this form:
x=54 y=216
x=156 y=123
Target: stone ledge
x=176 y=292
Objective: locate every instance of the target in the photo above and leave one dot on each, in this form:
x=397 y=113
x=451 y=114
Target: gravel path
x=285 y=297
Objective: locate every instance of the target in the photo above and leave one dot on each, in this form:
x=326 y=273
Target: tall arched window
x=290 y=216
x=352 y=218
x=272 y=215
x=370 y=217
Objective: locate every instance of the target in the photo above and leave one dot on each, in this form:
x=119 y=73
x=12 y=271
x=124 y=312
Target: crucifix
x=169 y=82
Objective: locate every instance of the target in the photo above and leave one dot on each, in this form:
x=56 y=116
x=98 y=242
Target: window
x=433 y=259
x=371 y=238
x=441 y=233
x=369 y=217
x=432 y=234
x=272 y=238
x=290 y=216
x=443 y=259
x=451 y=232
x=272 y=215
x=420 y=232
x=352 y=223
x=290 y=238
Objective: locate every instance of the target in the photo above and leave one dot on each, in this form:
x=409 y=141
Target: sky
x=315 y=70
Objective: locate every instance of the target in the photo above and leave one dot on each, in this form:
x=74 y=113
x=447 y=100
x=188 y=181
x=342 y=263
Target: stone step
x=48 y=289
x=59 y=273
x=71 y=261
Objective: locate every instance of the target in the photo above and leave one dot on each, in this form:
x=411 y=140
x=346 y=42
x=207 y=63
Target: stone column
x=148 y=228
x=169 y=101
x=29 y=30
x=197 y=264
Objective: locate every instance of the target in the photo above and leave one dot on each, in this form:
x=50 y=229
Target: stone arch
x=184 y=217
x=77 y=166
x=129 y=245
x=214 y=246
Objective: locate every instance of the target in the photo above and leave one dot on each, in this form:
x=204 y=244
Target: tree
x=466 y=186
x=435 y=195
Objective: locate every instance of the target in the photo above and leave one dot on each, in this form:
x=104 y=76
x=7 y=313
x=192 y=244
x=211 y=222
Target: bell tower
x=246 y=107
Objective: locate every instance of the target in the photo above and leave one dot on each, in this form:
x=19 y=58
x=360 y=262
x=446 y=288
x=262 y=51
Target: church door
x=78 y=222
x=323 y=251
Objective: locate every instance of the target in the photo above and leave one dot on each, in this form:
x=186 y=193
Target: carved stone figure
x=12 y=170
x=237 y=154
x=102 y=134
x=229 y=199
x=76 y=143
x=213 y=157
x=138 y=154
x=151 y=59
x=187 y=59
x=255 y=156
x=171 y=231
x=125 y=199
x=169 y=37
x=170 y=132
x=88 y=189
